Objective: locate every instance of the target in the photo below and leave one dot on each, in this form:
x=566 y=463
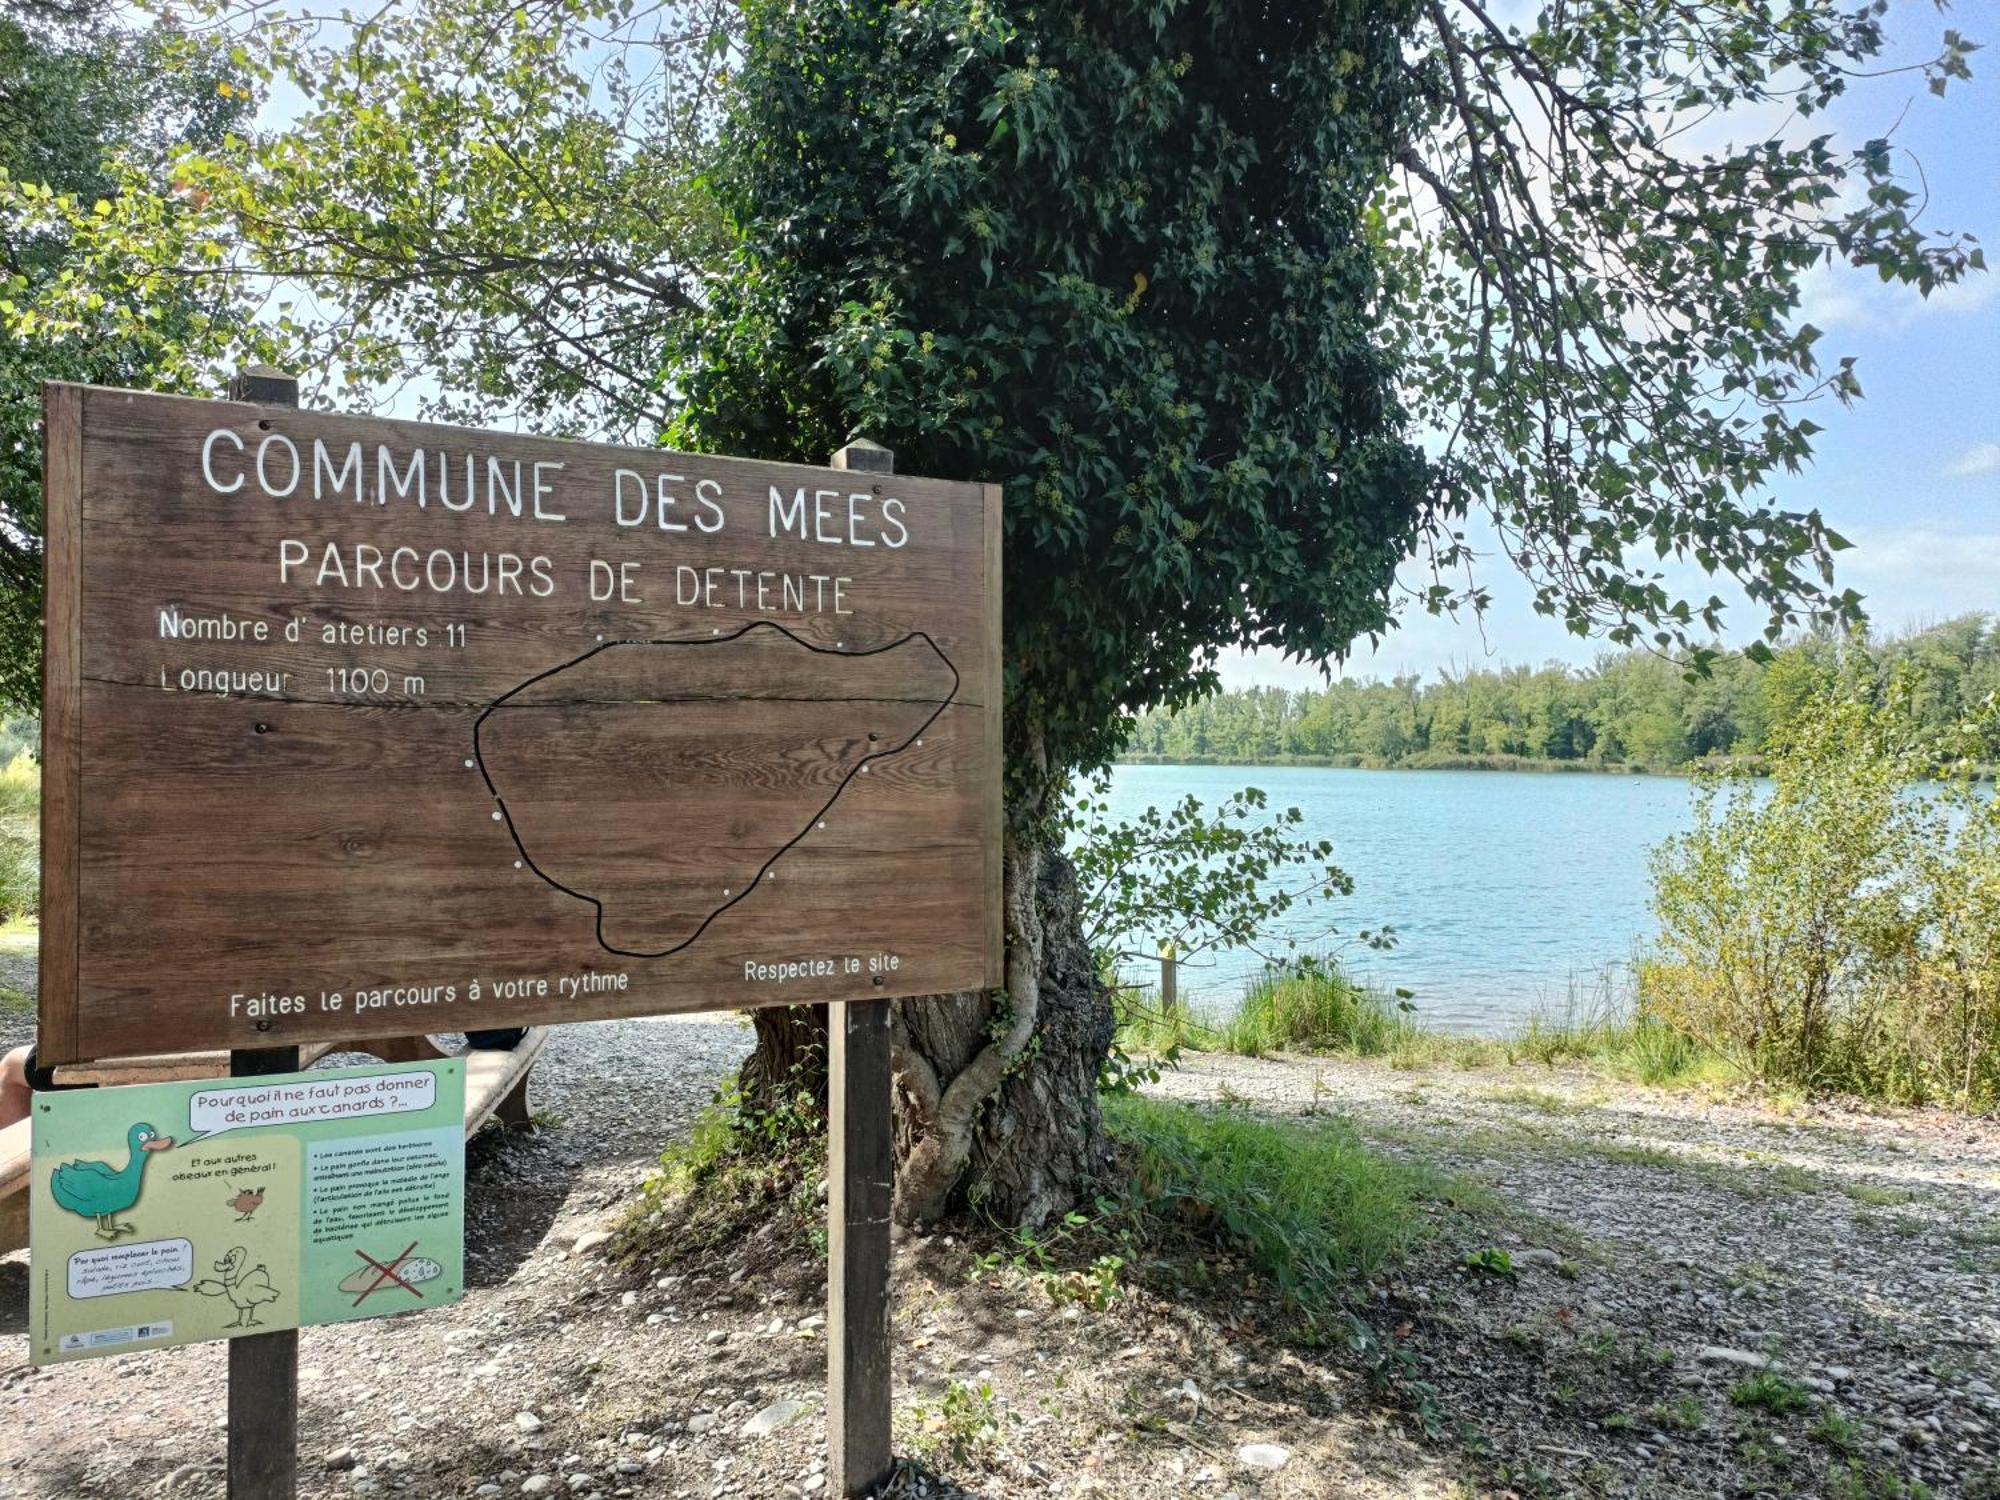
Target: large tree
x=1246 y=306
x=1120 y=262
x=84 y=95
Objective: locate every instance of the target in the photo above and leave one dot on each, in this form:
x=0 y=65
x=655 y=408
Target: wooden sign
x=358 y=727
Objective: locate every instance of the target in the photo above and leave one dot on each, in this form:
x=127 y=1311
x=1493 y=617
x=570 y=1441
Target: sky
x=1910 y=474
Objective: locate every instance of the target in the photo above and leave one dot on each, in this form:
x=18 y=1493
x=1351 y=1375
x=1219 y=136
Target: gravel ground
x=1663 y=1247
x=17 y=979
x=1666 y=1248
x=425 y=1397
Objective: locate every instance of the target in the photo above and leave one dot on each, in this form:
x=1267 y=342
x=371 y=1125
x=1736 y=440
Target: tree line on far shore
x=1631 y=710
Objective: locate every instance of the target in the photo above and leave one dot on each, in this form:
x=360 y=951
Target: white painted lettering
x=264 y=479
x=323 y=469
x=542 y=491
x=208 y=461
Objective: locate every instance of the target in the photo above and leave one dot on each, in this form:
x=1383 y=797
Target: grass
x=1877 y=1197
x=1770 y=1391
x=1308 y=1206
x=1312 y=1007
x=1836 y=1431
x=1315 y=1008
x=738 y=1168
x=1683 y=1414
x=20 y=835
x=18 y=937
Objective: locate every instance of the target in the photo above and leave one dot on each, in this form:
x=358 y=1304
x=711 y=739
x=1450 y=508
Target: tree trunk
x=996 y=1093
x=999 y=1092
x=790 y=1056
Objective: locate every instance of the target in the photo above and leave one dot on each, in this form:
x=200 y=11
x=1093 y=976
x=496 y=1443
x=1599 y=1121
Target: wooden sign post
x=381 y=728
x=264 y=1368
x=361 y=728
x=861 y=1166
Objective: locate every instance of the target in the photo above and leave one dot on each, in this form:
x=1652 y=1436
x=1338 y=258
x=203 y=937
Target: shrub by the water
x=1839 y=928
x=20 y=837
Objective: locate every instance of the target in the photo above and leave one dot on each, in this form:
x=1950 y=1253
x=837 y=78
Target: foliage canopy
x=1189 y=279
x=1114 y=257
x=1631 y=709
x=84 y=97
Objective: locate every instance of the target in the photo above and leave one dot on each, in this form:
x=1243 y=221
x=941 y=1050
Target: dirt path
x=1667 y=1247
x=1662 y=1248
x=420 y=1405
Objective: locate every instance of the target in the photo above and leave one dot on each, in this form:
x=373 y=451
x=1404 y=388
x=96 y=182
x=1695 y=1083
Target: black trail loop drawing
x=732 y=897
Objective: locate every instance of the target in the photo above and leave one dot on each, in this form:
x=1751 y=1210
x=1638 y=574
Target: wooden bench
x=496 y=1087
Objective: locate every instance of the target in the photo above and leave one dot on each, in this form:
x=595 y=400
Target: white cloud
x=1980 y=458
x=1917 y=577
x=1836 y=297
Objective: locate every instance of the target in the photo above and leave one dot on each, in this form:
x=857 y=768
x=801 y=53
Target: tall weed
x=1311 y=1006
x=20 y=837
x=1310 y=1206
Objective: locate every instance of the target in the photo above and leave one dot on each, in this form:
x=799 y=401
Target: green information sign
x=170 y=1213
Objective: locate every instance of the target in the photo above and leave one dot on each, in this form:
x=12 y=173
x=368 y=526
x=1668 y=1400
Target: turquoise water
x=1505 y=888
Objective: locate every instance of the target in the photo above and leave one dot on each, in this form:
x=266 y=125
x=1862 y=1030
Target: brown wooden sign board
x=357 y=727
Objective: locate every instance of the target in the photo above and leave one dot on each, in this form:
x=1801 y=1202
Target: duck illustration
x=246 y=1202
x=97 y=1190
x=247 y=1287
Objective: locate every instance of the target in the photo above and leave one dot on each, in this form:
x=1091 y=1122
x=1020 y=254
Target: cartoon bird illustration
x=246 y=1286
x=97 y=1190
x=246 y=1202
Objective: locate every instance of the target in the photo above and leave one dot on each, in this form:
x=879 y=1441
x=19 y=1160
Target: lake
x=1504 y=887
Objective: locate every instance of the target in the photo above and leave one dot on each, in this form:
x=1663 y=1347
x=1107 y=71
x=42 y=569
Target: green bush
x=20 y=837
x=1311 y=1006
x=1839 y=928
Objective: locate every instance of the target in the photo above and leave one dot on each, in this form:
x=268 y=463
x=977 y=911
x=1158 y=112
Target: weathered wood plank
x=62 y=718
x=993 y=820
x=164 y=1067
x=496 y=1081
x=860 y=1176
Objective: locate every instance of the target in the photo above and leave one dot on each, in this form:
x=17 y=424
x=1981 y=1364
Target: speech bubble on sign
x=328 y=1100
x=148 y=1266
